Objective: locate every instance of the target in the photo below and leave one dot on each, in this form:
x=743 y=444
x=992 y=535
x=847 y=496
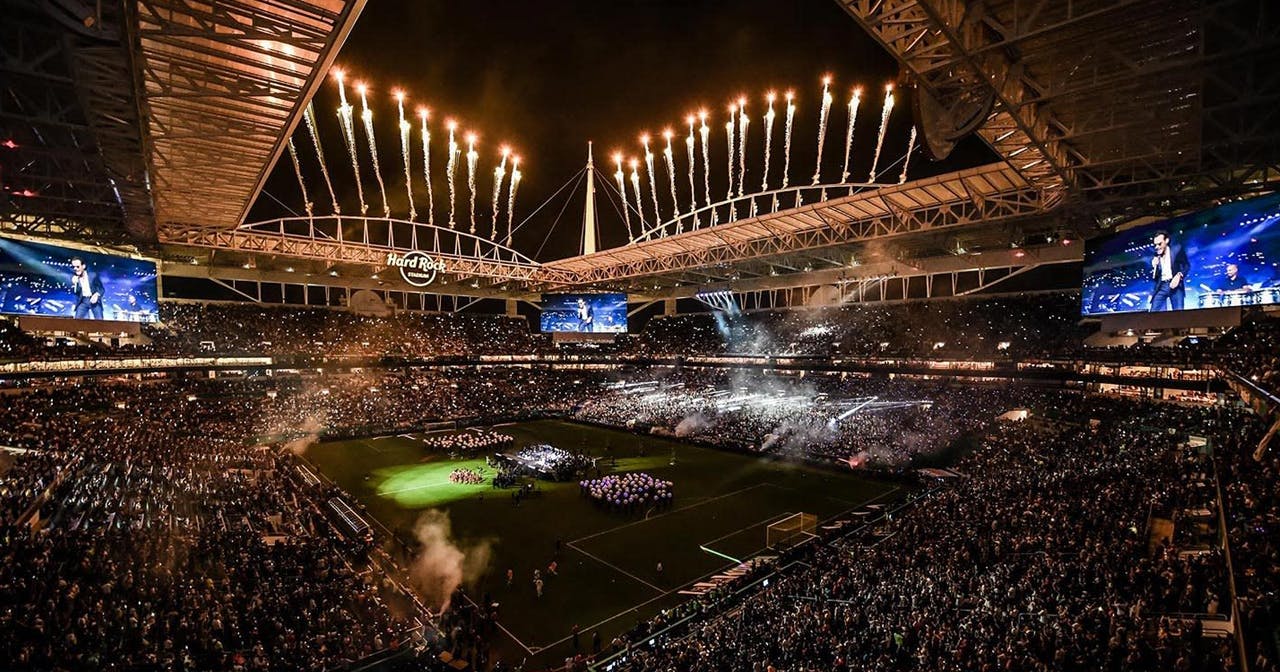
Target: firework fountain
x=405 y=129
x=667 y=154
x=498 y=174
x=309 y=116
x=884 y=122
x=366 y=115
x=346 y=120
x=424 y=115
x=622 y=190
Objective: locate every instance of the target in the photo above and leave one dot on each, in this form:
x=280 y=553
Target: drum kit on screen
x=1240 y=297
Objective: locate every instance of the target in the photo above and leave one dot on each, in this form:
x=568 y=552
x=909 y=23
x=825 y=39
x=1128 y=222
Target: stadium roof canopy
x=160 y=119
x=128 y=117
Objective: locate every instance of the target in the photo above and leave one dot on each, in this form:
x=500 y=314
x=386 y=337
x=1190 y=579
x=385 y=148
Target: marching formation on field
x=628 y=492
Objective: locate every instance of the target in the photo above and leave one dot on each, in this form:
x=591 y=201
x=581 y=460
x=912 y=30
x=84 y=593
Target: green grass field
x=608 y=578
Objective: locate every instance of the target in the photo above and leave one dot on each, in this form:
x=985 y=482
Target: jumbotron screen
x=1225 y=256
x=584 y=313
x=55 y=281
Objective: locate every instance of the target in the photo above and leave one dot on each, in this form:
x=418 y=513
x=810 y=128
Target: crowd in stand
x=146 y=528
x=629 y=492
x=1038 y=559
x=170 y=542
x=1027 y=326
x=863 y=421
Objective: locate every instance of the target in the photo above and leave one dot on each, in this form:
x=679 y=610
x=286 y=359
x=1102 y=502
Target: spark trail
x=653 y=181
x=671 y=175
x=635 y=186
x=884 y=121
x=693 y=189
x=743 y=122
x=786 y=139
x=349 y=134
x=516 y=175
x=622 y=189
x=854 y=100
x=906 y=160
x=451 y=169
x=405 y=128
x=310 y=117
x=768 y=139
x=472 y=157
x=822 y=126
x=729 y=129
x=424 y=114
x=366 y=115
x=297 y=169
x=706 y=161
x=498 y=173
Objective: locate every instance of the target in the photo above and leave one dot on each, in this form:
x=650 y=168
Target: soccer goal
x=791 y=531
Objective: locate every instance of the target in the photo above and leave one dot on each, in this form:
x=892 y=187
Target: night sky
x=547 y=76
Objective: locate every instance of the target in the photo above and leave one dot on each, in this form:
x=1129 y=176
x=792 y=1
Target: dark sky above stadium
x=548 y=76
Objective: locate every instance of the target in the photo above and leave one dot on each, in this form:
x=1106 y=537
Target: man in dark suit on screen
x=1169 y=270
x=88 y=291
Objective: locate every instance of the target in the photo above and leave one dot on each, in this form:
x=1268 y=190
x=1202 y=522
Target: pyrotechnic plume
x=671 y=171
x=786 y=139
x=635 y=186
x=405 y=128
x=472 y=157
x=498 y=173
x=730 y=132
x=366 y=115
x=349 y=133
x=451 y=167
x=884 y=121
x=822 y=125
x=768 y=139
x=743 y=122
x=424 y=114
x=854 y=100
x=622 y=189
x=653 y=179
x=511 y=194
x=297 y=169
x=906 y=160
x=706 y=161
x=693 y=190
x=309 y=115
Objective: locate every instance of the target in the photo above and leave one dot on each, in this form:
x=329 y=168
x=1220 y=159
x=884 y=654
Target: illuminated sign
x=416 y=267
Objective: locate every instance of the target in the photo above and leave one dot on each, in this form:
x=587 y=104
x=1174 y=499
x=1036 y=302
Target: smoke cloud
x=311 y=429
x=693 y=424
x=441 y=564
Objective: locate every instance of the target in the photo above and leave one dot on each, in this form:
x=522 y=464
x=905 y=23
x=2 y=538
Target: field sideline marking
x=614 y=567
x=713 y=572
x=683 y=508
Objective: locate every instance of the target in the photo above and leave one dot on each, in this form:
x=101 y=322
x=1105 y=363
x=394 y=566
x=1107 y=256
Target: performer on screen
x=1233 y=281
x=88 y=290
x=1169 y=269
x=585 y=317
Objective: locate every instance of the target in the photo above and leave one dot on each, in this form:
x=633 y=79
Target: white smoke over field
x=440 y=564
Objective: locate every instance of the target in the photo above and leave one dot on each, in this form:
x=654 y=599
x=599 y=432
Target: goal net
x=791 y=531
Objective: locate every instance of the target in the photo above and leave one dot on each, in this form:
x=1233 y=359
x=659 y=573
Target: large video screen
x=55 y=281
x=1220 y=257
x=585 y=313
